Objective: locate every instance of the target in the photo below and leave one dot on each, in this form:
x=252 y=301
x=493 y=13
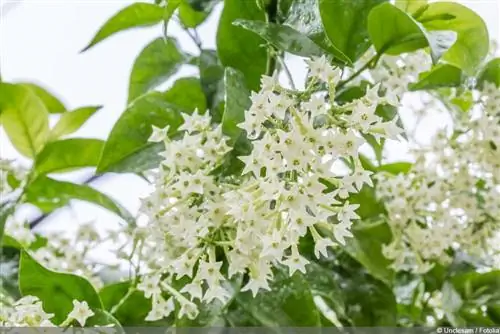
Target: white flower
x=341 y=231
x=150 y=285
x=188 y=309
x=158 y=134
x=296 y=262
x=81 y=312
x=320 y=247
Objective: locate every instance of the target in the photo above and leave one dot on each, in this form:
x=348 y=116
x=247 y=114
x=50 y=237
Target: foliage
x=235 y=153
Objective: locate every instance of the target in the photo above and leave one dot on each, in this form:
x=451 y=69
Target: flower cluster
x=292 y=184
x=11 y=175
x=28 y=312
x=450 y=198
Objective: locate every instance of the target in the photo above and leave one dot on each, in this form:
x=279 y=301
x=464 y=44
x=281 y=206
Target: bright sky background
x=40 y=42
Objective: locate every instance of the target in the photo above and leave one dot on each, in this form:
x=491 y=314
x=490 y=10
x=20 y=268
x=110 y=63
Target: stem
x=271 y=17
x=370 y=63
x=195 y=38
x=287 y=72
x=130 y=291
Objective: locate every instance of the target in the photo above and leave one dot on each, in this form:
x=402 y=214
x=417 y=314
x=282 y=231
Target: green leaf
x=282 y=37
x=442 y=75
x=68 y=154
x=410 y=6
x=157 y=62
x=51 y=102
x=24 y=118
x=472 y=44
x=49 y=194
x=345 y=23
x=366 y=248
x=72 y=121
x=304 y=16
x=237 y=101
x=128 y=138
x=191 y=17
x=134 y=308
x=490 y=73
x=239 y=48
x=288 y=304
x=212 y=82
x=396 y=168
x=392 y=31
x=102 y=318
x=136 y=15
x=56 y=290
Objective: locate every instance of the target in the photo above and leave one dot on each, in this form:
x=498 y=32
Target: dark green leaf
x=239 y=48
x=128 y=138
x=212 y=82
x=102 y=318
x=442 y=75
x=490 y=73
x=237 y=101
x=157 y=61
x=304 y=16
x=366 y=248
x=473 y=41
x=283 y=37
x=392 y=31
x=49 y=194
x=51 y=102
x=345 y=23
x=289 y=304
x=133 y=310
x=136 y=15
x=68 y=154
x=72 y=121
x=24 y=118
x=56 y=290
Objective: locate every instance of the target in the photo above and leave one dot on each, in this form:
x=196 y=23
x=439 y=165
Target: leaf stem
x=369 y=64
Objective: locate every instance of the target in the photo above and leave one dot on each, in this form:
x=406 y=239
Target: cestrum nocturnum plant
x=257 y=220
x=365 y=193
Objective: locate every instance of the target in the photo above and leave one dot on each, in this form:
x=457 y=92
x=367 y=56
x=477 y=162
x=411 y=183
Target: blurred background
x=40 y=42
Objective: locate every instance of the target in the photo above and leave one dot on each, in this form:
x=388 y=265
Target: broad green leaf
x=396 y=168
x=289 y=304
x=212 y=82
x=144 y=158
x=442 y=75
x=157 y=61
x=366 y=248
x=134 y=308
x=369 y=302
x=24 y=118
x=304 y=16
x=490 y=73
x=192 y=15
x=283 y=37
x=345 y=23
x=68 y=154
x=127 y=141
x=102 y=318
x=138 y=14
x=72 y=121
x=410 y=6
x=392 y=31
x=472 y=44
x=236 y=102
x=239 y=48
x=56 y=290
x=49 y=194
x=51 y=102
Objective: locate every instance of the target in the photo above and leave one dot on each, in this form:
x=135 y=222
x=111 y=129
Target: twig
x=287 y=72
x=370 y=63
